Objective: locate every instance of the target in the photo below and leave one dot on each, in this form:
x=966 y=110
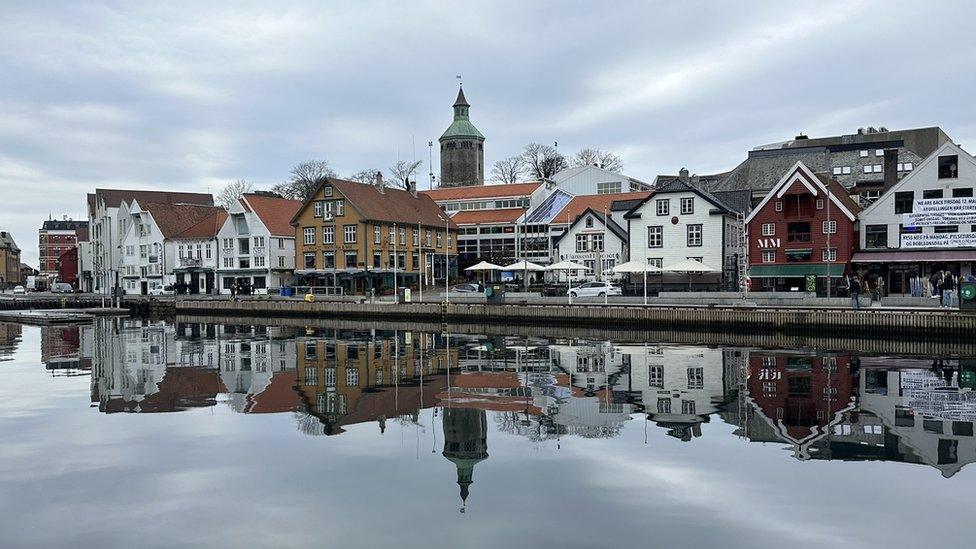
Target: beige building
x=9 y=260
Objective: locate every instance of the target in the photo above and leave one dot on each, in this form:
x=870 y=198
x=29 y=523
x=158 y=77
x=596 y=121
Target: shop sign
x=941 y=211
x=938 y=240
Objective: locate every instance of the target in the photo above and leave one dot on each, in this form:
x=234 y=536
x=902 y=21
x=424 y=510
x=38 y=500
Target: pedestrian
x=936 y=283
x=233 y=290
x=948 y=288
x=854 y=289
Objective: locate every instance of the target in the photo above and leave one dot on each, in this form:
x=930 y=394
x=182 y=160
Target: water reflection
x=817 y=405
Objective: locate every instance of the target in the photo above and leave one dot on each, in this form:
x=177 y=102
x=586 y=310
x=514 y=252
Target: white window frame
x=690 y=202
x=769 y=229
x=655 y=233
x=349 y=234
x=769 y=256
x=829 y=227
x=662 y=206
x=309 y=236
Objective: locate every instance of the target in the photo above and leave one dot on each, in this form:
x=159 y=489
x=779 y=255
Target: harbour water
x=130 y=433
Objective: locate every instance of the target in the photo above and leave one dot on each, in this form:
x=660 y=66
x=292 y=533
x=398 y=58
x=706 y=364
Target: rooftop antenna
x=430 y=162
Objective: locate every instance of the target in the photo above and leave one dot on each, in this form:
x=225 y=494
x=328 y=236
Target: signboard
x=764 y=243
x=938 y=240
x=941 y=211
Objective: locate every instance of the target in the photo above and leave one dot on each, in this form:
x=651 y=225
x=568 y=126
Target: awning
x=911 y=256
x=795 y=270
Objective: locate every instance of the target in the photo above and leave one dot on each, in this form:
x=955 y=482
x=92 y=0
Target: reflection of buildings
x=9 y=337
x=66 y=350
x=465 y=444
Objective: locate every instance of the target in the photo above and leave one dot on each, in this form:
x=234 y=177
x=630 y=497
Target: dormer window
x=589 y=222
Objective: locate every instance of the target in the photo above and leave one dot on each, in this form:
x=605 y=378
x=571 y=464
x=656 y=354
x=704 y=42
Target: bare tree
x=404 y=171
x=509 y=170
x=543 y=161
x=601 y=159
x=304 y=179
x=232 y=192
x=364 y=176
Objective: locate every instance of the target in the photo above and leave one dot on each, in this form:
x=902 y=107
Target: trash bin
x=495 y=293
x=288 y=291
x=967 y=296
x=404 y=295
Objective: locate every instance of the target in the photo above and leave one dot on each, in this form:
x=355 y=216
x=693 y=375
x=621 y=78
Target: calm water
x=138 y=434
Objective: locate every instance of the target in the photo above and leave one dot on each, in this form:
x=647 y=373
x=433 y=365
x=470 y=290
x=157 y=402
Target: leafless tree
x=509 y=170
x=233 y=191
x=364 y=176
x=403 y=171
x=304 y=179
x=601 y=159
x=543 y=161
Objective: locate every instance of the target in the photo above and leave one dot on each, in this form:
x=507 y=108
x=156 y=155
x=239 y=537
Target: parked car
x=595 y=289
x=465 y=288
x=162 y=290
x=62 y=288
x=19 y=290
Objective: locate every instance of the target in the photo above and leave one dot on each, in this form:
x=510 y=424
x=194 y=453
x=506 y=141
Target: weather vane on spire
x=458 y=79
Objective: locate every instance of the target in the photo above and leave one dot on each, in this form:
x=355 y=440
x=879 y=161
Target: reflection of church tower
x=465 y=443
x=462 y=149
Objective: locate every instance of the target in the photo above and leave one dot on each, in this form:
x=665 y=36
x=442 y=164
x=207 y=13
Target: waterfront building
x=924 y=223
x=108 y=222
x=802 y=233
x=595 y=180
x=55 y=237
x=197 y=255
x=858 y=161
x=681 y=221
x=86 y=259
x=361 y=237
x=591 y=230
x=68 y=267
x=10 y=270
x=462 y=149
x=256 y=244
x=149 y=241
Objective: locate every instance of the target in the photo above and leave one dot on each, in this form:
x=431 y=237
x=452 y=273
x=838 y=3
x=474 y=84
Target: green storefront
x=797 y=277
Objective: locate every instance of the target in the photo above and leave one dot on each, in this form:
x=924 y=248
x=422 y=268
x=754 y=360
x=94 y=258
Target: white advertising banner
x=941 y=211
x=938 y=240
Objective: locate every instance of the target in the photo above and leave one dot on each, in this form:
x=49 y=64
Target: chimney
x=695 y=180
x=378 y=183
x=890 y=168
x=801 y=137
x=683 y=174
x=412 y=188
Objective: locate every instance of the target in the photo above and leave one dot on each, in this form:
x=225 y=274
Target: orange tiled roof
x=392 y=205
x=114 y=197
x=275 y=213
x=209 y=226
x=483 y=191
x=596 y=202
x=471 y=217
x=173 y=219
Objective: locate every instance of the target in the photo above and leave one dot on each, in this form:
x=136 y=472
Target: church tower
x=462 y=149
x=465 y=444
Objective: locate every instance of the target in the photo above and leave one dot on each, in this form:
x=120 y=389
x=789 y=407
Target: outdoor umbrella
x=689 y=266
x=638 y=266
x=569 y=267
x=484 y=267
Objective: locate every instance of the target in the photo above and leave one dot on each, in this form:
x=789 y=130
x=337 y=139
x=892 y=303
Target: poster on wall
x=941 y=211
x=938 y=240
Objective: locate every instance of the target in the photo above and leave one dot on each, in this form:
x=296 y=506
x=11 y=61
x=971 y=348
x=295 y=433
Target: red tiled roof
x=209 y=226
x=470 y=217
x=483 y=191
x=173 y=219
x=114 y=197
x=596 y=202
x=392 y=205
x=278 y=396
x=275 y=213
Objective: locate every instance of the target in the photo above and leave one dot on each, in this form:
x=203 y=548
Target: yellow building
x=9 y=261
x=359 y=237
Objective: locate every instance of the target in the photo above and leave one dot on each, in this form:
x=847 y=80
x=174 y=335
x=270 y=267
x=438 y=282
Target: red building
x=55 y=237
x=68 y=267
x=801 y=233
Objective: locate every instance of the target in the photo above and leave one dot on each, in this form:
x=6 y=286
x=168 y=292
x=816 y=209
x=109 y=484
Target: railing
x=319 y=290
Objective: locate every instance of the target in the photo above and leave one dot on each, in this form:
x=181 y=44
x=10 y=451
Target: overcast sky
x=189 y=97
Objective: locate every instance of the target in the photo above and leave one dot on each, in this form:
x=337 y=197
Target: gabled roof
x=471 y=217
x=912 y=175
x=679 y=185
x=599 y=202
x=569 y=173
x=208 y=226
x=7 y=242
x=276 y=213
x=391 y=206
x=611 y=225
x=817 y=185
x=483 y=191
x=173 y=219
x=114 y=197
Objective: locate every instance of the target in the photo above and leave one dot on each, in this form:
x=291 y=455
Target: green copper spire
x=462 y=126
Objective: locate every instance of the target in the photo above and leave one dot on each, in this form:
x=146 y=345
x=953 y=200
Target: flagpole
x=396 y=291
x=420 y=266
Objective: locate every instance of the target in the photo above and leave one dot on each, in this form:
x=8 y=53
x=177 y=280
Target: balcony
x=798 y=237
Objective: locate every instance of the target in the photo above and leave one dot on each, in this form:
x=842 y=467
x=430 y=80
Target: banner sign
x=941 y=211
x=938 y=240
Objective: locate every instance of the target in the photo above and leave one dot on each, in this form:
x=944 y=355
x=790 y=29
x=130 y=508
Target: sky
x=190 y=96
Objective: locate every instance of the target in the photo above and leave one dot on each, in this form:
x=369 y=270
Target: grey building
x=462 y=149
x=859 y=161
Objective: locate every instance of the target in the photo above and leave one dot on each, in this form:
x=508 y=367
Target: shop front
x=809 y=277
x=906 y=272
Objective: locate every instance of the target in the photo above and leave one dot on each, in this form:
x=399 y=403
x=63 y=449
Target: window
x=328 y=234
x=309 y=260
x=696 y=378
x=655 y=376
x=309 y=235
x=830 y=227
x=768 y=229
x=589 y=222
x=847 y=170
x=931 y=193
x=327 y=190
x=779 y=206
x=872 y=168
x=392 y=235
x=377 y=258
x=281 y=261
x=340 y=207
x=864 y=153
x=330 y=376
x=829 y=254
x=655 y=236
x=440 y=240
x=656 y=262
x=377 y=234
x=352 y=377
x=694 y=235
x=597 y=245
x=962 y=193
x=948 y=167
x=582 y=243
x=349 y=234
x=876 y=236
x=904 y=202
x=820 y=204
x=942 y=229
x=608 y=187
x=416 y=237
x=351 y=260
x=798 y=231
x=769 y=256
x=687 y=206
x=328 y=260
x=879 y=152
x=427 y=239
x=663 y=206
x=799 y=256
x=317 y=209
x=837 y=170
x=403 y=236
x=259 y=261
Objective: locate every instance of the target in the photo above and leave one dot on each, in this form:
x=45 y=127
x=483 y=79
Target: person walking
x=948 y=288
x=936 y=283
x=854 y=289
